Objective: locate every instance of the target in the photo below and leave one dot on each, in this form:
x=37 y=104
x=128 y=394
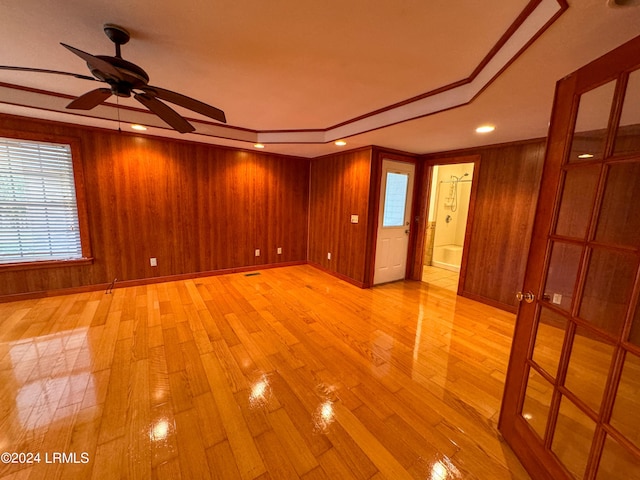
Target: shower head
x=457 y=179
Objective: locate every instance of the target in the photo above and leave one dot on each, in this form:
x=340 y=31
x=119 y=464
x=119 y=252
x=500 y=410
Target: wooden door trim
x=421 y=206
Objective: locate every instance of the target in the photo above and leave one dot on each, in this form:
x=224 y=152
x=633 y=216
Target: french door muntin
x=572 y=399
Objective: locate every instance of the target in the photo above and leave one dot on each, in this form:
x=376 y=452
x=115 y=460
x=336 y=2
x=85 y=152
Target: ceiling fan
x=125 y=79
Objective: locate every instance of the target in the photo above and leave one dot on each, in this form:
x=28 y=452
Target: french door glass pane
x=619 y=219
x=607 y=289
x=617 y=463
x=561 y=276
x=628 y=135
x=573 y=437
x=579 y=190
x=634 y=336
x=626 y=409
x=537 y=402
x=588 y=367
x=590 y=130
x=549 y=338
x=395 y=199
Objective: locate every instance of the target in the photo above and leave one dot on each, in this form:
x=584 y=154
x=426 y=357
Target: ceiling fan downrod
x=118 y=35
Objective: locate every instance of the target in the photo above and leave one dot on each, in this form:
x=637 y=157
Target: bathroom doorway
x=446 y=224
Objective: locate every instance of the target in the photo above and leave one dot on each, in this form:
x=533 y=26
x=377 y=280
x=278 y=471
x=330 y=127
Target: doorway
x=446 y=224
x=394 y=222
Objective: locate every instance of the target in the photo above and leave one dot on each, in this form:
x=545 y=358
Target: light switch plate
x=354 y=218
x=153 y=261
x=557 y=299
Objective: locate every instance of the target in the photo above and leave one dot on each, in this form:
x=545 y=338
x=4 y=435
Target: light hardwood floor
x=290 y=373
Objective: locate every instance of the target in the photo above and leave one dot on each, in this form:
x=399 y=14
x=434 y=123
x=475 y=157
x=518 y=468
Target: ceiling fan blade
x=94 y=62
x=166 y=113
x=41 y=70
x=186 y=102
x=90 y=99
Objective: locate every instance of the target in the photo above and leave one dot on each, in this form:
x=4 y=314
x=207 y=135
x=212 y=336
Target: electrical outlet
x=279 y=250
x=153 y=261
x=329 y=256
x=355 y=218
x=257 y=252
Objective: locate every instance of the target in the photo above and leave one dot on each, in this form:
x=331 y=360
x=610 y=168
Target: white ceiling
x=298 y=75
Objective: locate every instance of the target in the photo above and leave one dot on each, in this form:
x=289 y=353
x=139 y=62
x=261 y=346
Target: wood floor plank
x=382 y=458
x=192 y=455
x=222 y=463
x=244 y=450
x=293 y=444
x=138 y=422
x=291 y=373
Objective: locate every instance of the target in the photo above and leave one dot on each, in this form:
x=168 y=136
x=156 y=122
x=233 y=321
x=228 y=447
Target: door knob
x=528 y=297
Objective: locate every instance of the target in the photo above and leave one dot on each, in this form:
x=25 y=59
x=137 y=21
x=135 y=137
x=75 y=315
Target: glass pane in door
x=628 y=135
x=617 y=463
x=579 y=189
x=634 y=336
x=562 y=274
x=537 y=401
x=549 y=339
x=590 y=131
x=619 y=219
x=395 y=199
x=626 y=409
x=573 y=437
x=607 y=290
x=589 y=367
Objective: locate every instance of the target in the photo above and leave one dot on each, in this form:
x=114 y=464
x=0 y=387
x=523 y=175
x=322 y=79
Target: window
x=38 y=209
x=395 y=199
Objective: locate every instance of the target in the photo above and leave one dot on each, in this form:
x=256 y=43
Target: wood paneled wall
x=196 y=208
x=506 y=196
x=199 y=208
x=339 y=188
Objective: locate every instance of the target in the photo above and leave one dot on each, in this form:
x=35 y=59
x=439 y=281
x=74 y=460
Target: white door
x=396 y=192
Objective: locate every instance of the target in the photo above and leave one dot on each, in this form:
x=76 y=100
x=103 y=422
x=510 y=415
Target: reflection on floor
x=440 y=277
x=288 y=374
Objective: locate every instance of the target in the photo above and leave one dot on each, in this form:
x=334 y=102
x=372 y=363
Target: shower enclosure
x=449 y=208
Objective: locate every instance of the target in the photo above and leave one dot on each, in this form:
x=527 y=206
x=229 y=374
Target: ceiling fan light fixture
x=485 y=129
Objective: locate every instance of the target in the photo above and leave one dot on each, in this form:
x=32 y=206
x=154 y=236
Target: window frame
x=81 y=201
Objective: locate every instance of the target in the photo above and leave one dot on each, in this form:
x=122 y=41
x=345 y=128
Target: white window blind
x=38 y=211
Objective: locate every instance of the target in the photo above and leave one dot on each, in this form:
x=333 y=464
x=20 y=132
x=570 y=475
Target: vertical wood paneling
x=506 y=196
x=340 y=187
x=196 y=208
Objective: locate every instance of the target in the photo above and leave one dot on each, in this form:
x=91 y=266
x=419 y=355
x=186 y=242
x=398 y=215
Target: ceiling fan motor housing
x=131 y=76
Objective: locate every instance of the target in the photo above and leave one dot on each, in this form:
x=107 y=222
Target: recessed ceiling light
x=259 y=145
x=485 y=129
x=140 y=128
x=341 y=143
x=585 y=155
